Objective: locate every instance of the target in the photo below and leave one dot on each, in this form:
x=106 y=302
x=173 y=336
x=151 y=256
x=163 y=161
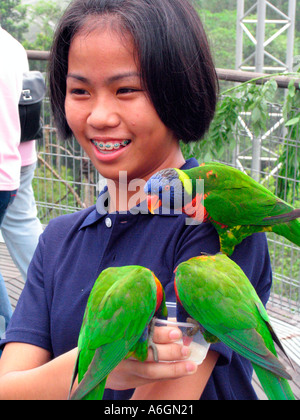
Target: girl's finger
x=163 y=371
x=165 y=335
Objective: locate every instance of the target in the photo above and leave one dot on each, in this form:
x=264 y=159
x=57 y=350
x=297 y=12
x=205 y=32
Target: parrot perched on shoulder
x=116 y=325
x=215 y=292
x=232 y=201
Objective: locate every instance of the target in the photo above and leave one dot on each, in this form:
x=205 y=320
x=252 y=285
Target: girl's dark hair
x=176 y=65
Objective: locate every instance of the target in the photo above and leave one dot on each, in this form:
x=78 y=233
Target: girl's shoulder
x=66 y=222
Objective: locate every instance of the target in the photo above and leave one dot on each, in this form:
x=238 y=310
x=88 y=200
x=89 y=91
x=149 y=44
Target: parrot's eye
x=167 y=188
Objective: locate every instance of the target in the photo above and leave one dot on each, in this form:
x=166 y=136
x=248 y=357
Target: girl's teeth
x=108 y=147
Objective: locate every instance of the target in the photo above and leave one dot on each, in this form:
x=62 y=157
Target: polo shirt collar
x=100 y=211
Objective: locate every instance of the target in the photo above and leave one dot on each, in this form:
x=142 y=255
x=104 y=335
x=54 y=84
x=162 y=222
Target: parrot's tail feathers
x=259 y=355
x=290 y=231
x=96 y=373
x=276 y=388
x=278 y=343
x=95 y=376
x=92 y=385
x=284 y=218
x=75 y=372
x=93 y=394
x=96 y=394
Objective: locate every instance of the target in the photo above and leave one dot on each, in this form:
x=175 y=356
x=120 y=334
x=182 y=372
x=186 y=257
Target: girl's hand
x=131 y=373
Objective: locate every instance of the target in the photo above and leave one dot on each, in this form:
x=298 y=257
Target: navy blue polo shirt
x=75 y=248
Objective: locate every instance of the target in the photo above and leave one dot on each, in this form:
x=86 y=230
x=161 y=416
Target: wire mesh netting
x=276 y=167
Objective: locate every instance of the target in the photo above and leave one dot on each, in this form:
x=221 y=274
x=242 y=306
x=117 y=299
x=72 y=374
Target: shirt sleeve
x=30 y=320
x=251 y=255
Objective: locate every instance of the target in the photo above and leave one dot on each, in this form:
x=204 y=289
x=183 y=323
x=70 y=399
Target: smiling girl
x=129 y=79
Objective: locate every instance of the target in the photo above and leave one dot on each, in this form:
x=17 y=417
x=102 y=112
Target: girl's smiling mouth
x=109 y=149
x=110 y=146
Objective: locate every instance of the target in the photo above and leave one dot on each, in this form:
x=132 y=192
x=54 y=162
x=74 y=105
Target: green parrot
x=215 y=292
x=233 y=202
x=116 y=325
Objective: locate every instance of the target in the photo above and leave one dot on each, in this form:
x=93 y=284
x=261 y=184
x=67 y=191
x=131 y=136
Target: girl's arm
x=27 y=371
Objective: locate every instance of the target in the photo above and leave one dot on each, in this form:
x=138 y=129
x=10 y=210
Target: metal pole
x=260 y=35
x=259 y=68
x=239 y=34
x=291 y=35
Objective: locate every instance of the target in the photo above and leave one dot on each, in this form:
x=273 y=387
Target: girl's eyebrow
x=110 y=80
x=77 y=77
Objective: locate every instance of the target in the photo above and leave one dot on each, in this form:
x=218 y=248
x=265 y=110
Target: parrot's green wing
x=216 y=293
x=238 y=206
x=232 y=201
x=106 y=279
x=236 y=199
x=104 y=282
x=114 y=324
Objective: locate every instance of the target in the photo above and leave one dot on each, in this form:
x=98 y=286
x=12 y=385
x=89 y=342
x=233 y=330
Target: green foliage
x=290 y=156
x=42 y=15
x=49 y=189
x=13 y=18
x=254 y=99
x=215 y=5
x=221 y=30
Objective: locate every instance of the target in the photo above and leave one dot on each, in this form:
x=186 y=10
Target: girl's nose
x=104 y=115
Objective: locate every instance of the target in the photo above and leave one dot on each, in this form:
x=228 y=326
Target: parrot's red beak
x=153 y=203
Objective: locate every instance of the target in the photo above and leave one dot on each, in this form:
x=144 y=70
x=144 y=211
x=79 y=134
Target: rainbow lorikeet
x=215 y=292
x=116 y=325
x=232 y=201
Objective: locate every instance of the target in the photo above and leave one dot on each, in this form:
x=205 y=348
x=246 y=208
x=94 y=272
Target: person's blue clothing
x=21 y=227
x=73 y=251
x=5 y=308
x=6 y=198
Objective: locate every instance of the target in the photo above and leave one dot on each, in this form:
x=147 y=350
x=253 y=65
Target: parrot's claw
x=154 y=349
x=151 y=343
x=192 y=331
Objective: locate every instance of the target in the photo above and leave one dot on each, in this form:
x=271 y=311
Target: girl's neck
x=126 y=194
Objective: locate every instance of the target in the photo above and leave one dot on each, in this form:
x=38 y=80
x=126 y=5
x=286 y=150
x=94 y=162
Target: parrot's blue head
x=165 y=189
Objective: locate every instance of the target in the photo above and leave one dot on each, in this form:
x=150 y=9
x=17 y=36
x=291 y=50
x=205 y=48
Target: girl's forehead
x=101 y=24
x=102 y=53
x=105 y=27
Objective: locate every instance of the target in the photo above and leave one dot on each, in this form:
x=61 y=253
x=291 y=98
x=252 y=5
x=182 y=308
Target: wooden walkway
x=287 y=327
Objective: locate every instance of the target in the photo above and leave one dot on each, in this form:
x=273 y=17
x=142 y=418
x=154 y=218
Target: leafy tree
x=13 y=18
x=43 y=15
x=221 y=32
x=216 y=5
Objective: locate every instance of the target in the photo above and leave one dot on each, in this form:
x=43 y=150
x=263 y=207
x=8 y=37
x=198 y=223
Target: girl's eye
x=124 y=91
x=79 y=92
